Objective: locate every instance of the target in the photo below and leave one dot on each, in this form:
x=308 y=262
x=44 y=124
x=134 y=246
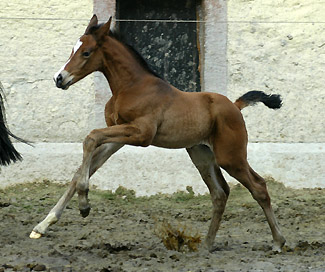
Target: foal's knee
x=82 y=188
x=219 y=197
x=260 y=193
x=89 y=143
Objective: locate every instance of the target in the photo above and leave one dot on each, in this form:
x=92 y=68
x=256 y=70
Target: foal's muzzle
x=63 y=80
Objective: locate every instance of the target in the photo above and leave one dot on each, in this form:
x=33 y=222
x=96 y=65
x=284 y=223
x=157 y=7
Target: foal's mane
x=115 y=34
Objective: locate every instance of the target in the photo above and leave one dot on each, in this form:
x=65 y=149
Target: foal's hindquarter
x=145 y=110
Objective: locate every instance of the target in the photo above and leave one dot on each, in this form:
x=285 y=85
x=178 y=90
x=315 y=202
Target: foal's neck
x=120 y=67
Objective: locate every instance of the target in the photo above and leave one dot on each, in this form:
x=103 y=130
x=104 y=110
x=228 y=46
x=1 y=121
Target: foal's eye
x=86 y=54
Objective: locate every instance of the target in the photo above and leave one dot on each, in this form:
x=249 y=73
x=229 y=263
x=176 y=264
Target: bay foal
x=145 y=110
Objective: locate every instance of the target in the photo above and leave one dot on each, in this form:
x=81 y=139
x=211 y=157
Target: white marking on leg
x=40 y=229
x=35 y=235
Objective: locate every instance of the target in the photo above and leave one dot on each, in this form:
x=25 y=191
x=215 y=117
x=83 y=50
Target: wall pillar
x=213 y=50
x=213 y=37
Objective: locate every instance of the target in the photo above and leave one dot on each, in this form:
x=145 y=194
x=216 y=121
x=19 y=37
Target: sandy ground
x=120 y=234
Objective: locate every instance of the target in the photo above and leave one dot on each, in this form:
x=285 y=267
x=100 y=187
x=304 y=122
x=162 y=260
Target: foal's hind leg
x=101 y=154
x=257 y=187
x=204 y=160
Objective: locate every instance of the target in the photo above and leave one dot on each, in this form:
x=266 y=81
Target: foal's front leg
x=101 y=154
x=56 y=212
x=113 y=137
x=92 y=160
x=99 y=145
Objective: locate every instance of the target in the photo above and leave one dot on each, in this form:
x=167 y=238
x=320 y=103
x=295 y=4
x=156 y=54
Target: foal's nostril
x=58 y=80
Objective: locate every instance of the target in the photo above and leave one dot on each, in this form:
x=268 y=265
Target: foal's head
x=85 y=57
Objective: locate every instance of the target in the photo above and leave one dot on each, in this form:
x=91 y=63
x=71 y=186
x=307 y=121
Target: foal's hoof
x=35 y=235
x=278 y=246
x=85 y=212
x=207 y=247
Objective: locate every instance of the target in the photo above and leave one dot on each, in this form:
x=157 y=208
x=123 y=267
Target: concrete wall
x=274 y=46
x=277 y=46
x=213 y=43
x=151 y=170
x=36 y=40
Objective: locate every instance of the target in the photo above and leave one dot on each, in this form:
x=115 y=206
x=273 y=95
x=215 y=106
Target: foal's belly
x=173 y=143
x=181 y=136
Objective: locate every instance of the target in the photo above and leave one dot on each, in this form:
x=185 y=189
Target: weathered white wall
x=36 y=40
x=151 y=170
x=275 y=46
x=278 y=46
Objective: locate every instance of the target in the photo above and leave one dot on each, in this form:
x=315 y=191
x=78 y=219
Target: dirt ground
x=122 y=231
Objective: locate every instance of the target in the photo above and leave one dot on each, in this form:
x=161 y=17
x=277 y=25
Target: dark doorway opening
x=165 y=34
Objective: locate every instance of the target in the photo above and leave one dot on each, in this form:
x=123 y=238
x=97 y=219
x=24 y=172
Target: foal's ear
x=104 y=30
x=93 y=22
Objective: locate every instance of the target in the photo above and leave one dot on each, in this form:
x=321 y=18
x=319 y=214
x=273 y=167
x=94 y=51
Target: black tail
x=8 y=153
x=272 y=101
